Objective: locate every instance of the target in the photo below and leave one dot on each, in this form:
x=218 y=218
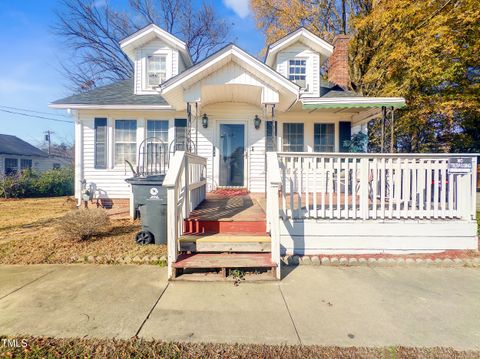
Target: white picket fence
x=374 y=186
x=186 y=188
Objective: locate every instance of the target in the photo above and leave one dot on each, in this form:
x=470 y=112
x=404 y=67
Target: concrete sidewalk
x=345 y=306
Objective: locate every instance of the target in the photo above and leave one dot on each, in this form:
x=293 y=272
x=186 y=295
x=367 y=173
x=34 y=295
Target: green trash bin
x=144 y=188
x=150 y=202
x=154 y=221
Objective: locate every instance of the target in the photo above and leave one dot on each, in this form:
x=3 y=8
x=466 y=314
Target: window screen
x=297 y=69
x=324 y=137
x=158 y=129
x=293 y=137
x=180 y=134
x=25 y=164
x=101 y=143
x=270 y=146
x=125 y=141
x=156 y=70
x=11 y=166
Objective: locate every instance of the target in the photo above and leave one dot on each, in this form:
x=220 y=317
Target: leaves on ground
x=30 y=234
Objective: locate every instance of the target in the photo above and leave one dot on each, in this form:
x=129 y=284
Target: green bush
x=53 y=183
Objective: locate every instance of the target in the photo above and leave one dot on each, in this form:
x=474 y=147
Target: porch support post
x=196 y=128
x=392 y=123
x=274 y=130
x=384 y=116
x=188 y=135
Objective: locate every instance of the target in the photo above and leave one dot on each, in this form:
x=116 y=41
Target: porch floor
x=240 y=208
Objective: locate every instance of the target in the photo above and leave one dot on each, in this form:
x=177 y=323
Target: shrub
x=82 y=224
x=52 y=183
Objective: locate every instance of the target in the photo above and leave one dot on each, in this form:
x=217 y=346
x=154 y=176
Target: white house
x=274 y=127
x=17 y=155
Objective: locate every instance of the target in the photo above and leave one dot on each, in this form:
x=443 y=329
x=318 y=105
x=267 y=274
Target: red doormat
x=230 y=192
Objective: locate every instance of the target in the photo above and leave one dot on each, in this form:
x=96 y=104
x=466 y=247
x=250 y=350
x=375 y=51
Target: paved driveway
x=357 y=306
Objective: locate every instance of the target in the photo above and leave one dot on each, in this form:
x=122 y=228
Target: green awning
x=364 y=102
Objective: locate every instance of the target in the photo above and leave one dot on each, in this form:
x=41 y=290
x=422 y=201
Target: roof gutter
x=110 y=107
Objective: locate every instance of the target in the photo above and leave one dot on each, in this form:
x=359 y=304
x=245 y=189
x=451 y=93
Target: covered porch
x=325 y=203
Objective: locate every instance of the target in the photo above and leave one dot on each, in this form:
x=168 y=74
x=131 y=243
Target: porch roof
x=228 y=68
x=352 y=102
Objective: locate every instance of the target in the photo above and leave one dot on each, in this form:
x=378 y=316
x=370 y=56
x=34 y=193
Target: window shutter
x=345 y=134
x=100 y=143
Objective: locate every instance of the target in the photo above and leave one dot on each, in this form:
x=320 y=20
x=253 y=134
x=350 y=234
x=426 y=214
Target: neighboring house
x=231 y=110
x=17 y=155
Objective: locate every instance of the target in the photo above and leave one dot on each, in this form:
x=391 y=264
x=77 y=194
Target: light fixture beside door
x=257 y=121
x=205 y=120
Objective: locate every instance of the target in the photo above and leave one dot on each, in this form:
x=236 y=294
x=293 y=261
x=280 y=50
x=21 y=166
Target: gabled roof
x=151 y=32
x=303 y=35
x=117 y=95
x=12 y=145
x=235 y=51
x=229 y=53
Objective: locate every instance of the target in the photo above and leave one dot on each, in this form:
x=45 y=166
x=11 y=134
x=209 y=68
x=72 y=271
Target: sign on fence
x=460 y=165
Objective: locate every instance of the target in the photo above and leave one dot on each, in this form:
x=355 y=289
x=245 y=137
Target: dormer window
x=297 y=69
x=156 y=70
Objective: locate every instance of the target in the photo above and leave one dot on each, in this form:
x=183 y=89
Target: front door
x=232 y=151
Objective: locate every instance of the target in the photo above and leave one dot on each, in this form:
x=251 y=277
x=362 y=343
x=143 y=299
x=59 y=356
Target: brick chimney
x=338 y=69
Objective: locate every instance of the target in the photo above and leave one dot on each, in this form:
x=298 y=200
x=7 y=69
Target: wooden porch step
x=201 y=226
x=225 y=243
x=224 y=260
x=221 y=266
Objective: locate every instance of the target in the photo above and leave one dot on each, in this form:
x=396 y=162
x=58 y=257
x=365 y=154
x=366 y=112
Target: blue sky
x=29 y=64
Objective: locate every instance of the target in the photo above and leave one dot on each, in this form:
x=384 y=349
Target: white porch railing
x=186 y=188
x=274 y=181
x=373 y=186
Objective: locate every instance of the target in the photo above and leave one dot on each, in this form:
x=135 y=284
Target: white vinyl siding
x=125 y=141
x=312 y=63
x=166 y=69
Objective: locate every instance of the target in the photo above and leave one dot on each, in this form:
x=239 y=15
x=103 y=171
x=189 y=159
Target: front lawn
x=137 y=348
x=29 y=234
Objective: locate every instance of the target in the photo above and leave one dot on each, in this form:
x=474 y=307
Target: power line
x=35 y=116
x=27 y=110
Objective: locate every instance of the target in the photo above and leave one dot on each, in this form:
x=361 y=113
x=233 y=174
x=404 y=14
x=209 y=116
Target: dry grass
x=137 y=348
x=30 y=234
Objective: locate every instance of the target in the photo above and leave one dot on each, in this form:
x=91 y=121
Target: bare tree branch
x=92 y=34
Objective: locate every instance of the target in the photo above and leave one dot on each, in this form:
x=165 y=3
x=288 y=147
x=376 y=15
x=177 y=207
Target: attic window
x=156 y=70
x=297 y=69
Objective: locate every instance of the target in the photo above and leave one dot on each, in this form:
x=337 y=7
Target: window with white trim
x=156 y=70
x=125 y=142
x=157 y=129
x=25 y=164
x=11 y=166
x=293 y=137
x=297 y=72
x=157 y=147
x=324 y=137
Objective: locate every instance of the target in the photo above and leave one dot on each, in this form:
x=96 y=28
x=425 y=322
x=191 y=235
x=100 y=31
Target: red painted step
x=200 y=226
